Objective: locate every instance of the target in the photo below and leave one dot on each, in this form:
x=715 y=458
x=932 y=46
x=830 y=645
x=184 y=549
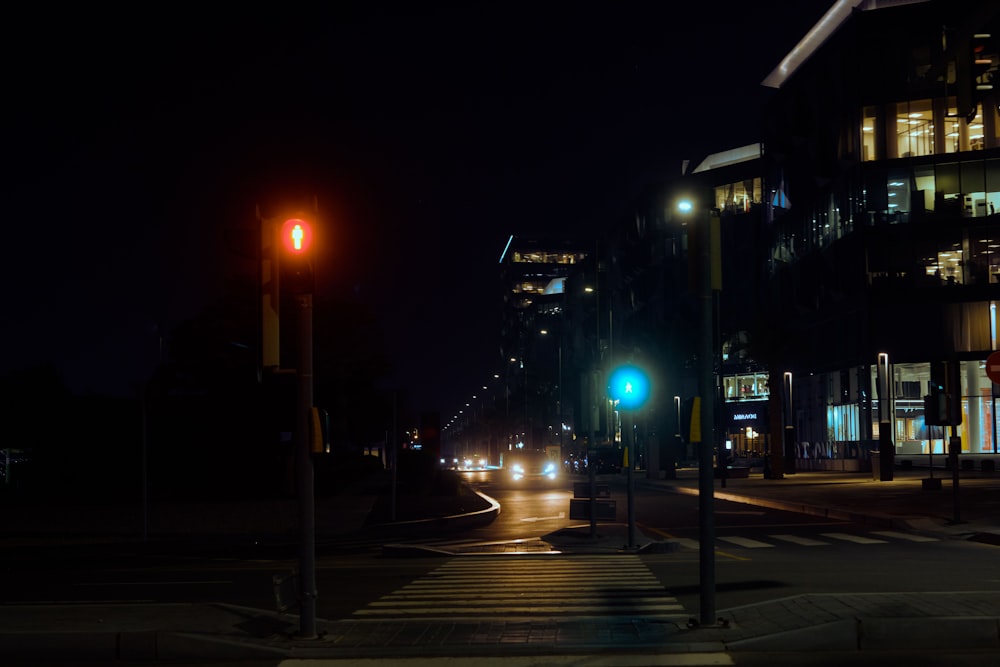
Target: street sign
x=993 y=367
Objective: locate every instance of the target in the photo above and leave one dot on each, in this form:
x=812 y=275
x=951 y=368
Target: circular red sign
x=993 y=367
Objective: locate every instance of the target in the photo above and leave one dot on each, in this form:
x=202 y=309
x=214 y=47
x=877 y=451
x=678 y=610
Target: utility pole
x=706 y=390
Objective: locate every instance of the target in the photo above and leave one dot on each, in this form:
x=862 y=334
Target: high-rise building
x=860 y=248
x=538 y=277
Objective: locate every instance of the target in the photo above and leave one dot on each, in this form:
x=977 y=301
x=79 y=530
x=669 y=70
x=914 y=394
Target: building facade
x=882 y=170
x=859 y=251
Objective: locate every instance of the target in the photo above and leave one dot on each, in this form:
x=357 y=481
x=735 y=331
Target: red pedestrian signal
x=297 y=264
x=296 y=236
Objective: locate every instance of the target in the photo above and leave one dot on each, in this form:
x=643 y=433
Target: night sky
x=133 y=142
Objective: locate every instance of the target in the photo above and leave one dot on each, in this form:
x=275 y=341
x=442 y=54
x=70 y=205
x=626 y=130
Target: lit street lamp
x=705 y=226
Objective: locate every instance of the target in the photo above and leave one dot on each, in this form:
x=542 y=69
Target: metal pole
x=143 y=398
x=706 y=518
x=630 y=495
x=954 y=447
x=394 y=453
x=562 y=454
x=307 y=509
x=592 y=475
x=592 y=446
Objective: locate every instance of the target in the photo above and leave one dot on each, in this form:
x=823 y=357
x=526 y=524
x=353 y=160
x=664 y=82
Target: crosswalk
x=567 y=587
x=819 y=540
x=361 y=544
x=367 y=544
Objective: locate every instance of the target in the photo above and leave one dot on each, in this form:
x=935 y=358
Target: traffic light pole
x=630 y=483
x=307 y=508
x=706 y=483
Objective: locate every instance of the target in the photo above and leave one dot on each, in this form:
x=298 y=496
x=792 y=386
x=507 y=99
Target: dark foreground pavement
x=847 y=621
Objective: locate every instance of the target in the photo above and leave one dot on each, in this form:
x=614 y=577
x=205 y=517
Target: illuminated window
x=546 y=257
x=868 y=134
x=746 y=387
x=738 y=197
x=946 y=265
x=914 y=128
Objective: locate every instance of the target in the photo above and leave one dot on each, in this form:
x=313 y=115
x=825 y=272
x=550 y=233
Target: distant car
x=530 y=466
x=473 y=463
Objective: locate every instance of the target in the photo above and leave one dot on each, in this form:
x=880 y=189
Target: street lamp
x=886 y=449
x=788 y=432
x=705 y=227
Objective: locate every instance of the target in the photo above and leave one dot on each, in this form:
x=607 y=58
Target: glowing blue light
x=629 y=386
x=684 y=206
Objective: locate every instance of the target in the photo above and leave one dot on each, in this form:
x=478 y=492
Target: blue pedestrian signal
x=629 y=386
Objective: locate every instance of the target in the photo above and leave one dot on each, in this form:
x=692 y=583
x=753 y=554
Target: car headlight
x=518 y=469
x=550 y=468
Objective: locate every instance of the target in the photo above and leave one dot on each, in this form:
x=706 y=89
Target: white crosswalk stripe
x=746 y=542
x=687 y=542
x=802 y=541
x=904 y=536
x=577 y=586
x=857 y=539
x=374 y=544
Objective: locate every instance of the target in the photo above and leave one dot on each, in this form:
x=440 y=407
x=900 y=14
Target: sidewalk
x=902 y=503
x=847 y=621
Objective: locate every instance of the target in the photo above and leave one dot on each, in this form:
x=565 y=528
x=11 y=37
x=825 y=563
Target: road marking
x=561 y=515
x=746 y=542
x=803 y=541
x=687 y=542
x=595 y=660
x=904 y=536
x=152 y=583
x=857 y=539
x=580 y=587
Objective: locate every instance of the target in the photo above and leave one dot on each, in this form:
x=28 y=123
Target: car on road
x=474 y=463
x=525 y=467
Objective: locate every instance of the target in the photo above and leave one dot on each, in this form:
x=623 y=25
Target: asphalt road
x=761 y=554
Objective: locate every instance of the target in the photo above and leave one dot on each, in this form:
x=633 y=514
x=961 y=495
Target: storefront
x=745 y=425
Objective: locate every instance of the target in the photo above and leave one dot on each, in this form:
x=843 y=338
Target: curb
x=465 y=521
x=934 y=633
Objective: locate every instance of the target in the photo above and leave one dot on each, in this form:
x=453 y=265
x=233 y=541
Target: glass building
x=860 y=247
x=881 y=163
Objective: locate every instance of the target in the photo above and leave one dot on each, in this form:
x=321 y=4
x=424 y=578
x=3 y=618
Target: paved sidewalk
x=848 y=621
x=902 y=503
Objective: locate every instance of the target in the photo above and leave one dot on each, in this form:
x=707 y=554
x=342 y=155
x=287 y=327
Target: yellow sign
x=696 y=420
x=316 y=443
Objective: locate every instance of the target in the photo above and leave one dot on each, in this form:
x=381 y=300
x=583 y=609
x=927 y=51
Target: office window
x=737 y=197
x=751 y=386
x=914 y=128
x=869 y=132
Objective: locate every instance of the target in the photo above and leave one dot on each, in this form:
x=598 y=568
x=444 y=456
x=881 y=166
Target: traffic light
x=296 y=236
x=628 y=385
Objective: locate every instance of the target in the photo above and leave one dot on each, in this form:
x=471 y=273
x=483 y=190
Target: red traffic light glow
x=297 y=236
